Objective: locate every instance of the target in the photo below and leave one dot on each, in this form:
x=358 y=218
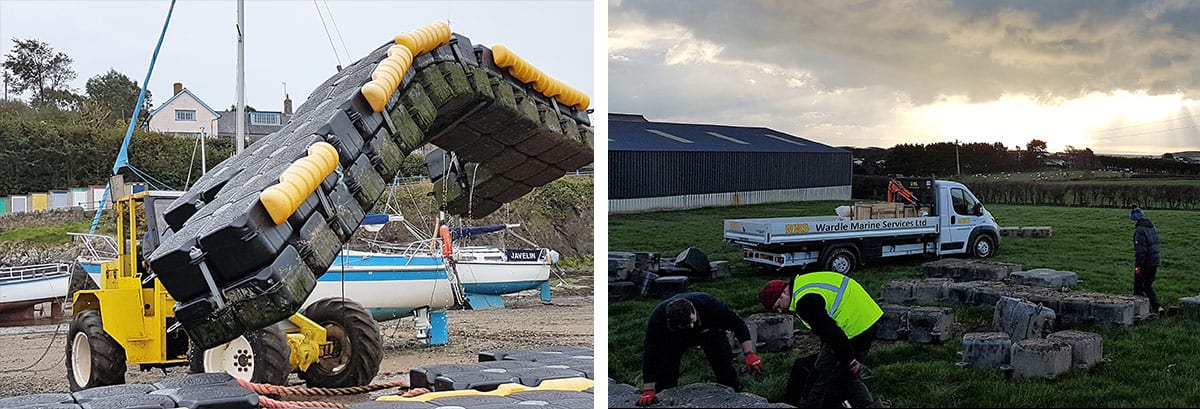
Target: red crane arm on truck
x=894 y=188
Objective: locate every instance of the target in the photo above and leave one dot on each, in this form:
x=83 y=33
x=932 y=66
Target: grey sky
x=877 y=73
x=285 y=41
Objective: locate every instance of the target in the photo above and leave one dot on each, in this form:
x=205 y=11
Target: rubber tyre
x=358 y=348
x=105 y=357
x=840 y=260
x=262 y=356
x=983 y=246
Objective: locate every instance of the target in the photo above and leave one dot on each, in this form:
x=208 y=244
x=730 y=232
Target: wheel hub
x=841 y=264
x=81 y=359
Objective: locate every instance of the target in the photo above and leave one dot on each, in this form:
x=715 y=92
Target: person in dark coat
x=684 y=321
x=1145 y=257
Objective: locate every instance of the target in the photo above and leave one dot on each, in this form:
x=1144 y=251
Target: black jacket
x=713 y=316
x=1145 y=244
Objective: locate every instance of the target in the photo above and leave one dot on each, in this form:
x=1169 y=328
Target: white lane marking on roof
x=731 y=139
x=668 y=136
x=782 y=139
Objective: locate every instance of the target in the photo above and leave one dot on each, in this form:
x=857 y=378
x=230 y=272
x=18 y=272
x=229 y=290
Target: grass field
x=1153 y=364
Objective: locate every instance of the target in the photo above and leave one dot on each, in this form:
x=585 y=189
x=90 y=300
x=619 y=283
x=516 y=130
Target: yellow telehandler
x=131 y=319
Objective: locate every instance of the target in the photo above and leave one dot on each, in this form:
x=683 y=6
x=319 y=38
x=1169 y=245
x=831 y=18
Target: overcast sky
x=1115 y=76
x=285 y=40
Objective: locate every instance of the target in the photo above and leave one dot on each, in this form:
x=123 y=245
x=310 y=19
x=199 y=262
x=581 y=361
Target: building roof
x=185 y=90
x=637 y=135
x=227 y=123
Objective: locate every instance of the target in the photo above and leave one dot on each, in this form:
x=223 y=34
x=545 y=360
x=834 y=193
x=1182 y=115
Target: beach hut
x=96 y=198
x=59 y=199
x=3 y=205
x=39 y=201
x=79 y=197
x=18 y=204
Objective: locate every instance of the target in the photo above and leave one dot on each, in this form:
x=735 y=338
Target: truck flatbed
x=800 y=230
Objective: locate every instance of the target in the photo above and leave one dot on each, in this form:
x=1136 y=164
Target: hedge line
x=1074 y=194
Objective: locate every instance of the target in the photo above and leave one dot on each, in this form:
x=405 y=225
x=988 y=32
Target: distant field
x=1080 y=176
x=1152 y=364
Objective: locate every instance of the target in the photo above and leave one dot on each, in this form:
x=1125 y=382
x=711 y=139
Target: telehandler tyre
x=261 y=356
x=357 y=345
x=93 y=358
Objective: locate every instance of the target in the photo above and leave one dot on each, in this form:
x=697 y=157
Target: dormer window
x=266 y=118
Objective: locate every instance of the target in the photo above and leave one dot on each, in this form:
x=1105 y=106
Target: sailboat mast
x=241 y=78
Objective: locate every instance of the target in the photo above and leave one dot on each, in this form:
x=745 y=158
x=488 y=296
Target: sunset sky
x=1119 y=77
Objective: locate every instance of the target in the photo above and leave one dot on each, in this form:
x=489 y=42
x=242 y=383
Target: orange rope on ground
x=267 y=389
x=414 y=392
x=268 y=403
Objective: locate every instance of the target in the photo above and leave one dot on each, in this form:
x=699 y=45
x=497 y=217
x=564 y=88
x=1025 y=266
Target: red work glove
x=754 y=363
x=1137 y=271
x=647 y=398
x=856 y=367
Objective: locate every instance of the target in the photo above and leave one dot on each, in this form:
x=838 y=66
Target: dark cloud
x=926 y=48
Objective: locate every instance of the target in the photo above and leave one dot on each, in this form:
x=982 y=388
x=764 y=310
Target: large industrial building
x=672 y=166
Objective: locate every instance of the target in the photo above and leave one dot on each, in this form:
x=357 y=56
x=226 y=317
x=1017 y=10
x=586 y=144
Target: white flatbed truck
x=956 y=223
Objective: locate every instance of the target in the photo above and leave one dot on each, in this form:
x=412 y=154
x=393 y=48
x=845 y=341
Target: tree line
x=945 y=158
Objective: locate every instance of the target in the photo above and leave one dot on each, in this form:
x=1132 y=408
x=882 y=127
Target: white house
x=184 y=114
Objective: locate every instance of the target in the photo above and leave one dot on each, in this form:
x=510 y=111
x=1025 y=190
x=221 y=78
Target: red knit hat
x=770 y=293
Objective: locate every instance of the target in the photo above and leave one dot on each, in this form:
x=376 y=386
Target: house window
x=185 y=115
x=265 y=118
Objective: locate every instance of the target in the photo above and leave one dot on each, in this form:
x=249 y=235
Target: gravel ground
x=525 y=323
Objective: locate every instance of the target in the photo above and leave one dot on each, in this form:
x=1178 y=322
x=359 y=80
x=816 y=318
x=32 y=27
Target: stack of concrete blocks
x=697 y=395
x=1073 y=308
x=1031 y=232
x=633 y=274
x=735 y=346
x=968 y=270
x=1035 y=352
x=924 y=325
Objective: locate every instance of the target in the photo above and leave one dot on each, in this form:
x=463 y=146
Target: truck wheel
x=93 y=358
x=983 y=246
x=357 y=347
x=840 y=260
x=261 y=356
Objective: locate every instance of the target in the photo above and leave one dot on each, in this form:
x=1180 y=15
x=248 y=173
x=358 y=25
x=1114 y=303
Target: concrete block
x=930 y=325
x=897 y=292
x=1010 y=231
x=708 y=395
x=1044 y=277
x=622 y=395
x=774 y=331
x=930 y=290
x=1040 y=358
x=719 y=269
x=647 y=261
x=893 y=325
x=1190 y=307
x=988 y=295
x=1021 y=319
x=1112 y=311
x=1141 y=305
x=1035 y=232
x=694 y=259
x=1087 y=349
x=938 y=268
x=987 y=350
x=735 y=346
x=962 y=292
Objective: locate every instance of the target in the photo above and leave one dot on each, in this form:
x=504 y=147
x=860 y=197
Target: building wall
x=164 y=120
x=685 y=202
x=641 y=174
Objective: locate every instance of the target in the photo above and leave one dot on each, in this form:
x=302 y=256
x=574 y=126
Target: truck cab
x=942 y=218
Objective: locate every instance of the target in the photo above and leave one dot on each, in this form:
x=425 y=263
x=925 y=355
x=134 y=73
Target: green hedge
x=1176 y=197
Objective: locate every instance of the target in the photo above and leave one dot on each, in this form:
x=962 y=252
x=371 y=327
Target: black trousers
x=1143 y=284
x=820 y=381
x=716 y=350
